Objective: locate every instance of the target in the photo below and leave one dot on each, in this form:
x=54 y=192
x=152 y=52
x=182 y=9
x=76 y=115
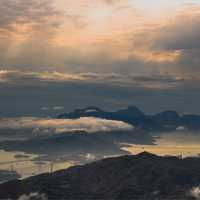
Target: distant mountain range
x=167 y=120
x=141 y=177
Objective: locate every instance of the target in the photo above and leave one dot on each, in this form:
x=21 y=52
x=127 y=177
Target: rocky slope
x=141 y=177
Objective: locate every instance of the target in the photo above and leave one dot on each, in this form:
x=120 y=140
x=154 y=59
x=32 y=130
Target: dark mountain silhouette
x=167 y=120
x=141 y=177
x=127 y=115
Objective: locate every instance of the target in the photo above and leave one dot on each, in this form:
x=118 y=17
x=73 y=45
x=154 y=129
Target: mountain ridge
x=168 y=120
x=141 y=177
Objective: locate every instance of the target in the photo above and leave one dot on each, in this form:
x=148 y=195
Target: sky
x=57 y=55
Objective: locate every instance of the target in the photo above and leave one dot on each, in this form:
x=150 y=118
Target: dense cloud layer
x=86 y=45
x=170 y=47
x=182 y=36
x=38 y=13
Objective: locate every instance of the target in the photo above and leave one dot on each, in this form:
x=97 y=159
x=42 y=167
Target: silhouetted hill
x=167 y=120
x=144 y=176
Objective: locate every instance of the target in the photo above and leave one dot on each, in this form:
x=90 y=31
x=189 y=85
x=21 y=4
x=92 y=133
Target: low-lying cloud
x=52 y=126
x=28 y=77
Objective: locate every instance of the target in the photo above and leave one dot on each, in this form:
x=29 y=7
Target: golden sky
x=109 y=53
x=140 y=37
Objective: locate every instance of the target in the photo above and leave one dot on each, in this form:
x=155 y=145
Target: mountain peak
x=132 y=111
x=146 y=154
x=135 y=109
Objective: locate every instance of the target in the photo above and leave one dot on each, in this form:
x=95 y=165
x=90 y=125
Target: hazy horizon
x=60 y=55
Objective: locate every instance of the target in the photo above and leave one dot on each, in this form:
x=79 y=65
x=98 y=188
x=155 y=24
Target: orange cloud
x=101 y=36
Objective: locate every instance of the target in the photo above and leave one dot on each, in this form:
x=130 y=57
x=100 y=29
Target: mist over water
x=32 y=146
x=184 y=144
x=26 y=165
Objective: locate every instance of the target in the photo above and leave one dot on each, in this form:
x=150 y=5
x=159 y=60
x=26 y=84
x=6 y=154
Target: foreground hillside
x=144 y=176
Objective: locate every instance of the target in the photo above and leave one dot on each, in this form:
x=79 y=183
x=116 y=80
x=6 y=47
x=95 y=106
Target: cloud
x=117 y=61
x=12 y=76
x=181 y=36
x=169 y=47
x=58 y=108
x=32 y=13
x=50 y=125
x=181 y=33
x=35 y=78
x=26 y=97
x=26 y=31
